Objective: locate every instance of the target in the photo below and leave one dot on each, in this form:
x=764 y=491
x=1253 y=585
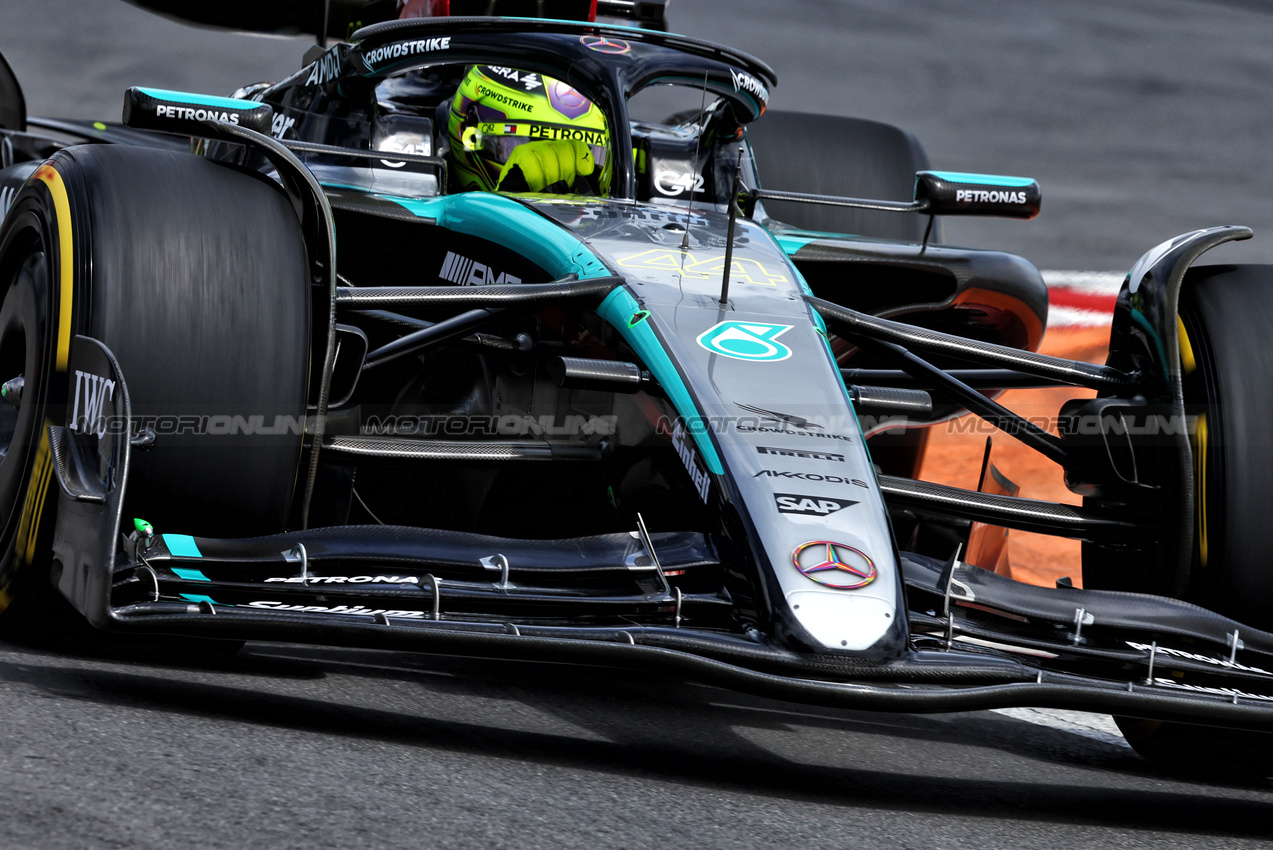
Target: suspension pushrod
x=980 y=379
x=988 y=409
x=860 y=326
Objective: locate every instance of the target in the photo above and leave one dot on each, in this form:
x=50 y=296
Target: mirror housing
x=957 y=193
x=185 y=113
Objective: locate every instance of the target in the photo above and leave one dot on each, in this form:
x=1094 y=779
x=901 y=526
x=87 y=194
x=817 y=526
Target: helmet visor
x=496 y=142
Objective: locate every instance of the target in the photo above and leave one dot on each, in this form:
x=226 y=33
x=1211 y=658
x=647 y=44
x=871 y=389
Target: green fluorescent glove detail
x=538 y=165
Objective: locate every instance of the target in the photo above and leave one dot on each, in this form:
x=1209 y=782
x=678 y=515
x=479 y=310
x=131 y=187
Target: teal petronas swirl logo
x=755 y=341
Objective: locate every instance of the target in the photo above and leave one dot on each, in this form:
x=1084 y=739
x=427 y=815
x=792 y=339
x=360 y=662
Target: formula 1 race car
x=269 y=374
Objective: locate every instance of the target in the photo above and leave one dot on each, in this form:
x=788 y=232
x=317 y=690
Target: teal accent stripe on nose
x=618 y=309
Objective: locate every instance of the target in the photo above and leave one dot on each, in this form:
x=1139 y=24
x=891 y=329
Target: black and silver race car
x=265 y=378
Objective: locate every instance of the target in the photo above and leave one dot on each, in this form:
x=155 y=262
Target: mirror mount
x=936 y=193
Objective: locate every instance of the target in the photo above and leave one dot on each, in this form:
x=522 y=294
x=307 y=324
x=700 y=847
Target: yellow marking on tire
x=46 y=480
x=1199 y=445
x=33 y=507
x=66 y=260
x=1187 y=361
x=1200 y=472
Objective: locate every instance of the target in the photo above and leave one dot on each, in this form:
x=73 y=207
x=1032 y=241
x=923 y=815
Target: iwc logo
x=834 y=564
x=746 y=341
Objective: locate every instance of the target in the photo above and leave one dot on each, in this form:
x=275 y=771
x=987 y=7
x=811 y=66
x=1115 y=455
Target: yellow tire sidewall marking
x=1187 y=361
x=33 y=507
x=66 y=260
x=1189 y=364
x=28 y=534
x=1200 y=472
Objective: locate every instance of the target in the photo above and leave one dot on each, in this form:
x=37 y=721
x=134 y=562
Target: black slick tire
x=1227 y=367
x=1227 y=370
x=195 y=276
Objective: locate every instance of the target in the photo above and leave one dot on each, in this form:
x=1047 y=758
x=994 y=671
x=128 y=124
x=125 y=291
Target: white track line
x=1072 y=317
x=1102 y=282
x=1081 y=299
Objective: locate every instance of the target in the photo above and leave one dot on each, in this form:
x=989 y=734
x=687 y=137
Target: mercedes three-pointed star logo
x=601 y=44
x=834 y=564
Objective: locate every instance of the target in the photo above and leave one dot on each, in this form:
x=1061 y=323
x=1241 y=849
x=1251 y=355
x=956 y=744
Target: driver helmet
x=497 y=109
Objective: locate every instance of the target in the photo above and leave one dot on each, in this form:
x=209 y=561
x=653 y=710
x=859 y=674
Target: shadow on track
x=660 y=728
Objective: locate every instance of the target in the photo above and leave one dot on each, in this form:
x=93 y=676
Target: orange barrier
x=955 y=451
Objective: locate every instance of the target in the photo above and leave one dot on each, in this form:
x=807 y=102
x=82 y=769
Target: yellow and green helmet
x=498 y=109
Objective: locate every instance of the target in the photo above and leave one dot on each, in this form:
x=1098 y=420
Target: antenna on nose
x=734 y=212
x=698 y=141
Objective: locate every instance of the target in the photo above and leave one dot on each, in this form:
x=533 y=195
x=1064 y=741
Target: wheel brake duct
x=1145 y=337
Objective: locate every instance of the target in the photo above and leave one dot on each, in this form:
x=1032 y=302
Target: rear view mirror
x=956 y=193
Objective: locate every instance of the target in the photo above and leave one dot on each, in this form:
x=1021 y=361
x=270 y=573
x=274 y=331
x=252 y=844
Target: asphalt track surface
x=1140 y=119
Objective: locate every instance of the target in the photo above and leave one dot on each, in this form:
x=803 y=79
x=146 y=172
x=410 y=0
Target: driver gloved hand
x=535 y=166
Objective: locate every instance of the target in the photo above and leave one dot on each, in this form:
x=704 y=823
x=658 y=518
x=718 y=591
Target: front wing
x=980 y=640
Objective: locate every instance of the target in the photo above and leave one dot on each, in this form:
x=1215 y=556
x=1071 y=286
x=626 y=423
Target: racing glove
x=536 y=166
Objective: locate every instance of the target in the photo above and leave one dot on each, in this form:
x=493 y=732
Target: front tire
x=199 y=286
x=30 y=609
x=1227 y=372
x=1227 y=367
x=195 y=276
